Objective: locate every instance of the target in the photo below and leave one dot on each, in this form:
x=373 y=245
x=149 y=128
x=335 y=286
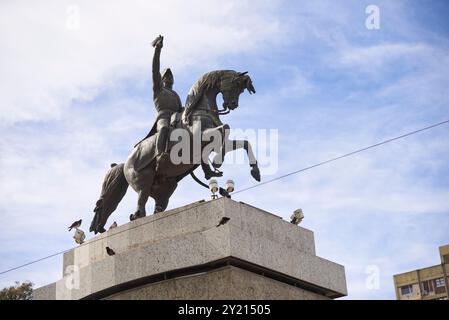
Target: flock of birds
x=111 y=251
x=76 y=226
x=295 y=219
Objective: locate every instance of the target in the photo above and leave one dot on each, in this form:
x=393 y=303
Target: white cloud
x=51 y=171
x=298 y=84
x=373 y=59
x=361 y=208
x=45 y=65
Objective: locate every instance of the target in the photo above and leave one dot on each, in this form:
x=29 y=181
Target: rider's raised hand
x=158 y=42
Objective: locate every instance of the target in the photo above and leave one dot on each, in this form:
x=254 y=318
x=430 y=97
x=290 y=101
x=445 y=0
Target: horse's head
x=232 y=85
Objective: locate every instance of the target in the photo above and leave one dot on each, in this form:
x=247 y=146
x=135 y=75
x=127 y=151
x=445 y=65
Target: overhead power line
x=90 y=242
x=35 y=261
x=342 y=156
x=252 y=187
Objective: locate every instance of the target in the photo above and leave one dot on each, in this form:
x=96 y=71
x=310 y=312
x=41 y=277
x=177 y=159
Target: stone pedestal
x=182 y=254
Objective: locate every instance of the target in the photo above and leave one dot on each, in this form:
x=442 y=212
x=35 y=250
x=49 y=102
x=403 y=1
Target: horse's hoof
x=217 y=162
x=255 y=173
x=216 y=165
x=136 y=215
x=209 y=175
x=158 y=209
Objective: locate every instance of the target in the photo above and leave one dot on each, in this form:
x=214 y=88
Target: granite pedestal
x=182 y=254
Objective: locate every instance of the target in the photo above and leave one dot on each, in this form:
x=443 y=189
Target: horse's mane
x=207 y=81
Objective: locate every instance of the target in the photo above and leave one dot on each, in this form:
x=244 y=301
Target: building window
x=406 y=290
x=439 y=283
x=446 y=258
x=427 y=287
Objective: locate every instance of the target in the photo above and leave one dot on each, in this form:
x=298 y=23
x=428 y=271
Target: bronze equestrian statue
x=149 y=171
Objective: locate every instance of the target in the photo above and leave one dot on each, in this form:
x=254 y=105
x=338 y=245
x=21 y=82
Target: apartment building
x=430 y=283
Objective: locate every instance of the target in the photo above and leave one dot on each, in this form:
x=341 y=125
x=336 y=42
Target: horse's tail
x=113 y=190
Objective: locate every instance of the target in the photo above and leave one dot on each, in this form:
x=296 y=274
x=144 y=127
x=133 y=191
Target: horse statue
x=199 y=118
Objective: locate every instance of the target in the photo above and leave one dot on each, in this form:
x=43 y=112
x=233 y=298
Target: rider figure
x=166 y=101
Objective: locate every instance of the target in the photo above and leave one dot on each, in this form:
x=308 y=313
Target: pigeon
x=113 y=225
x=75 y=225
x=110 y=251
x=223 y=221
x=297 y=217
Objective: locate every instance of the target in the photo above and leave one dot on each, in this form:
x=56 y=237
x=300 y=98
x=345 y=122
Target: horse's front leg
x=232 y=145
x=217 y=135
x=224 y=148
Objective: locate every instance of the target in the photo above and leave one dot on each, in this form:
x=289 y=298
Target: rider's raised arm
x=157 y=81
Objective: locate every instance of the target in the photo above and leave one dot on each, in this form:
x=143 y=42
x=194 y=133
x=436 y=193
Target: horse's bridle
x=219 y=112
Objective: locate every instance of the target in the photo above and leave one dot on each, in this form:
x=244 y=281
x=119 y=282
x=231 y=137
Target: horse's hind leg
x=143 y=195
x=163 y=194
x=141 y=202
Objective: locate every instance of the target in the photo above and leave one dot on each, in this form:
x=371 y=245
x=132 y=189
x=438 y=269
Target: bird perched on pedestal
x=110 y=251
x=76 y=224
x=297 y=217
x=223 y=221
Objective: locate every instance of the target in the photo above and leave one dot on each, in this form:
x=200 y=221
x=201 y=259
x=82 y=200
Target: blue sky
x=75 y=99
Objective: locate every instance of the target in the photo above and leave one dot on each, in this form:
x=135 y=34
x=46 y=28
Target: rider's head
x=167 y=78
